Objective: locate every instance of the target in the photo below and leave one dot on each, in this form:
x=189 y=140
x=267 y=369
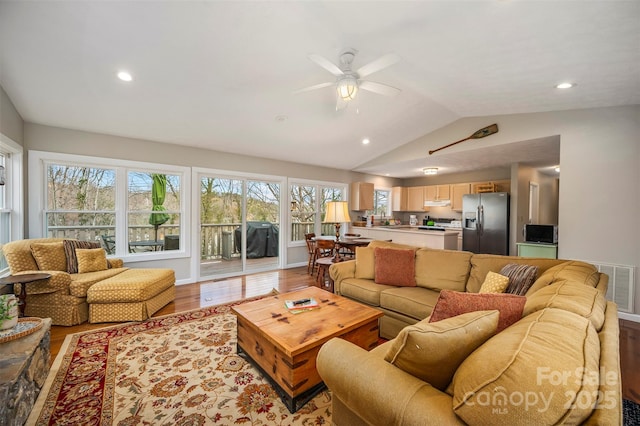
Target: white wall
x=600 y=175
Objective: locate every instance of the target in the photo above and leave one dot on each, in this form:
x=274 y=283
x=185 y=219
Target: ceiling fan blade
x=378 y=64
x=314 y=87
x=326 y=64
x=379 y=88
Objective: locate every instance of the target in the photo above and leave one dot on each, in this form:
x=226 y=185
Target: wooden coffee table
x=284 y=346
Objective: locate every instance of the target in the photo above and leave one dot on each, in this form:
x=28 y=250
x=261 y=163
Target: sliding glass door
x=239 y=225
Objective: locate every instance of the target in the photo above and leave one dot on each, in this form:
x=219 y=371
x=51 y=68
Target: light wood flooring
x=209 y=293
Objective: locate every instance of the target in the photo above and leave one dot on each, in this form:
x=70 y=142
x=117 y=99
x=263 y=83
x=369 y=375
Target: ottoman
x=133 y=295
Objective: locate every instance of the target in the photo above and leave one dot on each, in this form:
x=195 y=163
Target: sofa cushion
x=433 y=351
x=521 y=277
x=70 y=247
x=481 y=264
x=80 y=283
x=365 y=291
x=494 y=283
x=545 y=354
x=49 y=256
x=415 y=302
x=442 y=269
x=394 y=267
x=452 y=303
x=365 y=263
x=570 y=296
x=91 y=260
x=573 y=270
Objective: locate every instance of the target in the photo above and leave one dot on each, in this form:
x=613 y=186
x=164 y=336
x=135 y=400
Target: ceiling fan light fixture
x=347 y=88
x=430 y=170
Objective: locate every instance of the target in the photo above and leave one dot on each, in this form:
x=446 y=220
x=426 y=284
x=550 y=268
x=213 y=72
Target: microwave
x=547 y=234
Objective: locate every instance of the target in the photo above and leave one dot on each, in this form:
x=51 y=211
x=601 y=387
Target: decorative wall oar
x=482 y=133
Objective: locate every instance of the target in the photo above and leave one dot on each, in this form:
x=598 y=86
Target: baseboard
x=629 y=317
x=295 y=265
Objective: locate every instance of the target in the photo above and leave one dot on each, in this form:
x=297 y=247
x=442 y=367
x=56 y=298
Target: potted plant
x=8 y=311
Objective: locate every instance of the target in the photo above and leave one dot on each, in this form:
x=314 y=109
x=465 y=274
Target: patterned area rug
x=180 y=369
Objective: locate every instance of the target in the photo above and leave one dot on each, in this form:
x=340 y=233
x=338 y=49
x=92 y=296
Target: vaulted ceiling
x=221 y=74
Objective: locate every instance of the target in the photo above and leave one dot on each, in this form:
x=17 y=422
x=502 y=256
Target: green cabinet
x=549 y=251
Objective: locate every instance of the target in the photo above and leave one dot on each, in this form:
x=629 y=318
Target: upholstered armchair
x=63 y=297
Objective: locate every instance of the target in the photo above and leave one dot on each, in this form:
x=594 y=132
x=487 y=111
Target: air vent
x=621 y=284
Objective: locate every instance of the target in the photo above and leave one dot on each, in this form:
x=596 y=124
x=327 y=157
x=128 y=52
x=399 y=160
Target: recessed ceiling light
x=387 y=174
x=557 y=169
x=565 y=85
x=430 y=170
x=124 y=76
x=365 y=141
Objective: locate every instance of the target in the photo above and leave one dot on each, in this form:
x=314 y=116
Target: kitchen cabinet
x=457 y=191
x=415 y=199
x=437 y=192
x=361 y=196
x=399 y=199
x=549 y=251
x=492 y=186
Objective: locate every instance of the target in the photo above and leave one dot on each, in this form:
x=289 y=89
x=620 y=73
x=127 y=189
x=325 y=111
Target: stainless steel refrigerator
x=485 y=223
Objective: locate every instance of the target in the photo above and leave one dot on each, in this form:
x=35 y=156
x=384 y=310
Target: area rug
x=181 y=369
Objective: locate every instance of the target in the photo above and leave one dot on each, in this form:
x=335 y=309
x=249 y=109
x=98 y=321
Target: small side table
x=23 y=280
x=323 y=264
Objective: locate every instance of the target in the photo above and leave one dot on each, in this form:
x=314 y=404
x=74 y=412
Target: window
x=10 y=195
x=308 y=210
x=80 y=202
x=381 y=205
x=153 y=211
x=129 y=207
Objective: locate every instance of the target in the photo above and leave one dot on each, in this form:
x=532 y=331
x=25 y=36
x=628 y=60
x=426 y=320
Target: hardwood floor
x=199 y=295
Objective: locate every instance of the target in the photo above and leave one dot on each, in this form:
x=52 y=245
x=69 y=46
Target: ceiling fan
x=348 y=82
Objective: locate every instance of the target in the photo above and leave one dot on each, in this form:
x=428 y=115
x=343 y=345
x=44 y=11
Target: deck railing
x=217 y=240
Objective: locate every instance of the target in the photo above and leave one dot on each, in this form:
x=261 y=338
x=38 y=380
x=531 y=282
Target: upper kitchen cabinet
x=493 y=186
x=457 y=191
x=437 y=192
x=399 y=199
x=415 y=199
x=361 y=197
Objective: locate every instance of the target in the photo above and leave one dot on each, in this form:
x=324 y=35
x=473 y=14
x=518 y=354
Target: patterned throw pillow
x=434 y=351
x=452 y=303
x=521 y=277
x=395 y=267
x=91 y=260
x=70 y=247
x=49 y=256
x=494 y=283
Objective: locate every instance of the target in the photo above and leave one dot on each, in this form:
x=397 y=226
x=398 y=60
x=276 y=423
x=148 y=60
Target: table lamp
x=337 y=212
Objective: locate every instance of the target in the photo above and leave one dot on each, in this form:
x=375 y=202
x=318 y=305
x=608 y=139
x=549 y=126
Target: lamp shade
x=337 y=212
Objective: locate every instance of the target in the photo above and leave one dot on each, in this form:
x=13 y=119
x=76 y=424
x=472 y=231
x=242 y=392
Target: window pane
x=381 y=202
x=80 y=188
x=303 y=211
x=329 y=194
x=87 y=226
x=153 y=202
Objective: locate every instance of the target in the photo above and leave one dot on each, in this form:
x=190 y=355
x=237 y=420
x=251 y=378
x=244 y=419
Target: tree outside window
x=381 y=206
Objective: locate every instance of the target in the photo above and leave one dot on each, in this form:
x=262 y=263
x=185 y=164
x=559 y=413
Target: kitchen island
x=411 y=235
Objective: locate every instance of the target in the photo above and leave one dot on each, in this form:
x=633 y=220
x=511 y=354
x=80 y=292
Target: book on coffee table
x=301 y=305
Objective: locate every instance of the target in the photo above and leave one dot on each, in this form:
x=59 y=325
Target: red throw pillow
x=395 y=267
x=452 y=303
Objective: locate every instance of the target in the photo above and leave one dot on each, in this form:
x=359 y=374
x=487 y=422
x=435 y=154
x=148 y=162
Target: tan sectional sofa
x=559 y=364
x=437 y=270
x=118 y=293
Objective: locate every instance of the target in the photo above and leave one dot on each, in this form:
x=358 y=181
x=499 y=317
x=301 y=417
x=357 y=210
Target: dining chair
x=109 y=243
x=311 y=251
x=325 y=248
x=346 y=251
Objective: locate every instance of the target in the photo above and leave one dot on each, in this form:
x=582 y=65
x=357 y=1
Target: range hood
x=439 y=203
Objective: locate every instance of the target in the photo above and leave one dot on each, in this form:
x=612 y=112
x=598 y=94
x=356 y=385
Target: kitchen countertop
x=415 y=229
